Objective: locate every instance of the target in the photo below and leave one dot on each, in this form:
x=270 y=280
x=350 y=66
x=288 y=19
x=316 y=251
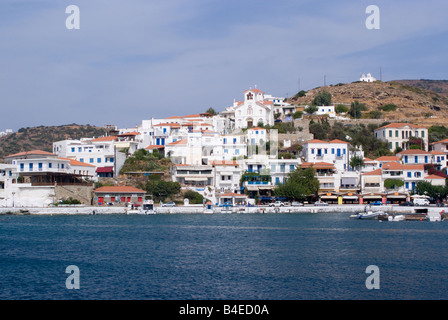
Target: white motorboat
x=398 y=217
x=146 y=208
x=367 y=215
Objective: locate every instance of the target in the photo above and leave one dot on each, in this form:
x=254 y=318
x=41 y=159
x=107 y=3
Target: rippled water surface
x=228 y=256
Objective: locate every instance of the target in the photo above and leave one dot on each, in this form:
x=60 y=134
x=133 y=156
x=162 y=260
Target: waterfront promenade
x=195 y=209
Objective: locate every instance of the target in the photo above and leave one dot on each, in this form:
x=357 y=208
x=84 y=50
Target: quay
x=199 y=209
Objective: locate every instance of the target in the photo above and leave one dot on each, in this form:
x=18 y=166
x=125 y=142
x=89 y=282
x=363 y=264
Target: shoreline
x=90 y=210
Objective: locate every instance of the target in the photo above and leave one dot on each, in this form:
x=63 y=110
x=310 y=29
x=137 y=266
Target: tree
x=311 y=109
x=323 y=98
x=300 y=185
x=162 y=189
x=356 y=162
x=211 y=111
x=340 y=108
x=194 y=197
x=355 y=109
x=393 y=183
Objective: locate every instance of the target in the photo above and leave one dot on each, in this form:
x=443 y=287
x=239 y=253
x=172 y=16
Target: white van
x=421 y=202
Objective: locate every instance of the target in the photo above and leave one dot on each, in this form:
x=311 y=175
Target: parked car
x=320 y=203
x=407 y=204
x=376 y=203
x=297 y=204
x=421 y=202
x=169 y=204
x=277 y=204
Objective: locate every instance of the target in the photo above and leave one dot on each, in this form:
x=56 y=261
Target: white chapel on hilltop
x=367 y=78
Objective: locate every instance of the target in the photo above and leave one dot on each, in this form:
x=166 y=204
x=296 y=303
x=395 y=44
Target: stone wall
x=81 y=193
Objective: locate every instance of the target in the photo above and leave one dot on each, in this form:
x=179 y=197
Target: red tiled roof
x=153 y=146
x=33 y=152
x=434 y=176
x=376 y=172
x=119 y=189
x=178 y=142
x=224 y=163
x=108 y=138
x=401 y=125
x=413 y=151
x=318 y=165
x=74 y=162
x=388 y=158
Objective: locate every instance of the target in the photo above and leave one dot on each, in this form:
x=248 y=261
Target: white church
x=368 y=78
x=255 y=109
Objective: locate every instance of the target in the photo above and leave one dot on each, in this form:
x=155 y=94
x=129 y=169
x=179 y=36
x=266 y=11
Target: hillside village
x=241 y=154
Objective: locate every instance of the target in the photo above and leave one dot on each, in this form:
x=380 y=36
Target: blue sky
x=137 y=59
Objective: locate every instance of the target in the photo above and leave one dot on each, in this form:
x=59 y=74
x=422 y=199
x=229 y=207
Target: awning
x=105 y=170
x=350 y=197
x=372 y=197
x=195 y=179
x=349 y=181
x=329 y=197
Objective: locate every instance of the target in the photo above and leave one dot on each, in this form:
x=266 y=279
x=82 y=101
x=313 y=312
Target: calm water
x=238 y=257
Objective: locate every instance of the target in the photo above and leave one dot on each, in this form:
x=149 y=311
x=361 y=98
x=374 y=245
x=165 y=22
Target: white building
x=335 y=152
x=367 y=78
x=253 y=110
x=398 y=135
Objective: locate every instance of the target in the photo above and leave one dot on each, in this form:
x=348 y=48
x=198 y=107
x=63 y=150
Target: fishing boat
x=146 y=208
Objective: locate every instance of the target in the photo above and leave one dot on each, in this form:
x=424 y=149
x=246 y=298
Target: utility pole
x=325 y=80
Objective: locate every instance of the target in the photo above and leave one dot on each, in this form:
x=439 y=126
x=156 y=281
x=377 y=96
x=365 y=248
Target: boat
x=146 y=208
x=368 y=214
x=398 y=217
x=208 y=208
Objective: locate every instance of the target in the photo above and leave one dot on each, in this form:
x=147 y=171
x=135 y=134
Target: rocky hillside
x=414 y=104
x=439 y=86
x=42 y=138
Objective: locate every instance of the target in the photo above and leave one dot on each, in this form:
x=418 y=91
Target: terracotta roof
x=399 y=166
x=224 y=163
x=134 y=133
x=438 y=152
x=108 y=138
x=441 y=141
x=119 y=189
x=318 y=165
x=388 y=158
x=254 y=90
x=327 y=142
x=434 y=176
x=178 y=142
x=413 y=151
x=33 y=152
x=153 y=146
x=401 y=125
x=256 y=128
x=170 y=124
x=74 y=162
x=376 y=172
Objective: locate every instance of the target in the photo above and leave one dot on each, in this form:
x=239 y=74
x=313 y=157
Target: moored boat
x=146 y=208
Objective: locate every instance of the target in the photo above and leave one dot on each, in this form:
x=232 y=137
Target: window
x=225 y=141
x=234 y=140
x=332 y=150
x=50 y=165
x=98 y=160
x=91 y=160
x=81 y=159
x=30 y=166
x=423 y=134
x=405 y=159
x=312 y=151
x=79 y=149
x=73 y=149
x=426 y=159
x=291 y=168
x=390 y=133
x=397 y=134
x=416 y=159
x=409 y=174
x=417 y=174
x=40 y=165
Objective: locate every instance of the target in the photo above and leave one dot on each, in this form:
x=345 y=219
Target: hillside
x=414 y=104
x=42 y=138
x=439 y=86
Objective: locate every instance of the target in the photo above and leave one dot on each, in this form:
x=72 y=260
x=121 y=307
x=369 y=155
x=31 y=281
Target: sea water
x=221 y=256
